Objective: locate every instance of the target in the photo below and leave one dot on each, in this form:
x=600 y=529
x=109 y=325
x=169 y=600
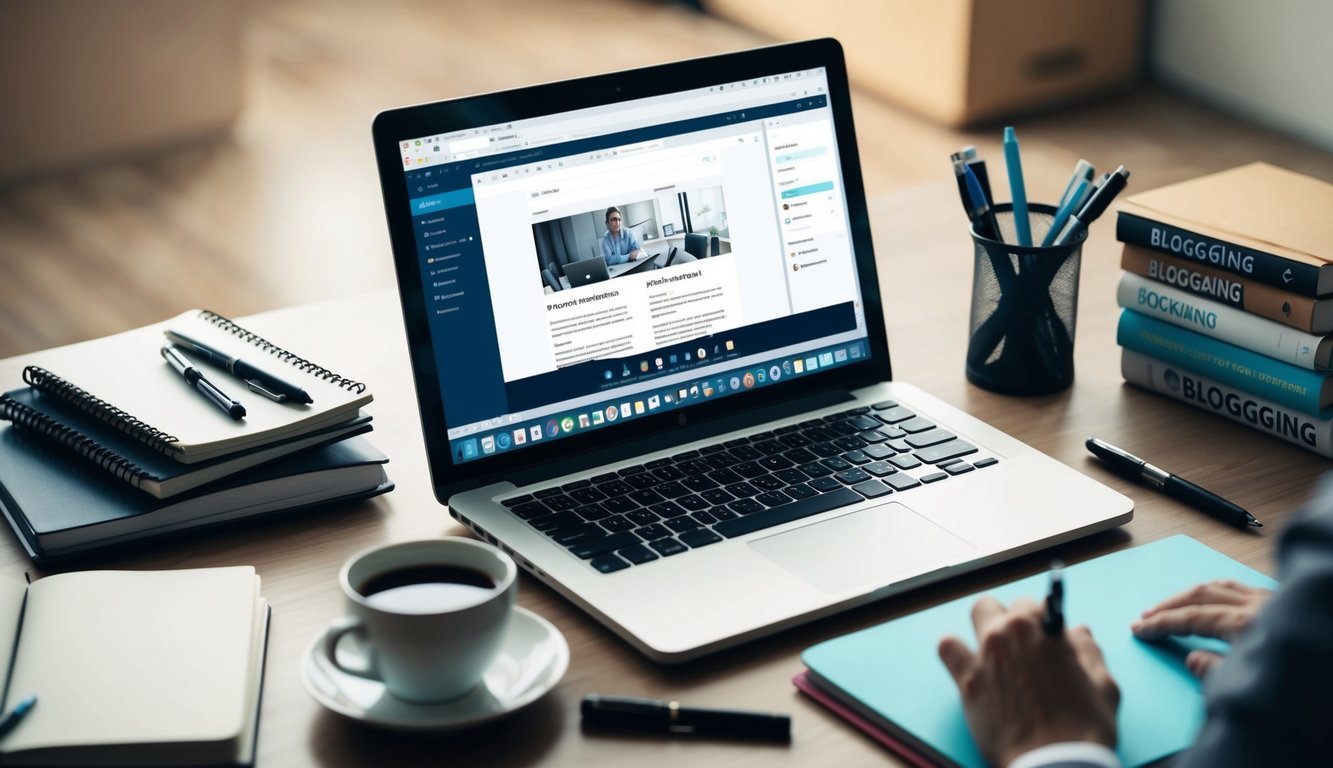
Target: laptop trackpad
x=864 y=550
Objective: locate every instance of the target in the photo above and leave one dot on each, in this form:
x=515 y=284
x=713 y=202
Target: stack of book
x=110 y=442
x=1228 y=299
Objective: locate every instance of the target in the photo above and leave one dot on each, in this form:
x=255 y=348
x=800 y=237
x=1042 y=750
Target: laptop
x=711 y=452
x=586 y=272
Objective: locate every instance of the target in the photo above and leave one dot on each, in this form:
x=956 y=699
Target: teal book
x=891 y=676
x=1284 y=384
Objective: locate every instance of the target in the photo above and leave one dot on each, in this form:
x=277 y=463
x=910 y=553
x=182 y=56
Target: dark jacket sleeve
x=1271 y=701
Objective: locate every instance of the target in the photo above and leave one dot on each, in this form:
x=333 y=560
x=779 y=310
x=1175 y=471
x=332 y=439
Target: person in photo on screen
x=619 y=245
x=1039 y=701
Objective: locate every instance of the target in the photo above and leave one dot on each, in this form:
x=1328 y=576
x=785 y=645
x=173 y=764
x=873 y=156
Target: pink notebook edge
x=808 y=687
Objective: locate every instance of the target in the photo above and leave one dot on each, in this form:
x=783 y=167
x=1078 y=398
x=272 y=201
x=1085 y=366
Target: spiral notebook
x=124 y=382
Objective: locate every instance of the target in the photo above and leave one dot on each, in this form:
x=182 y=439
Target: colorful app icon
x=625 y=410
x=643 y=366
x=552 y=428
x=598 y=417
x=701 y=352
x=654 y=402
x=748 y=380
x=826 y=359
x=638 y=407
x=658 y=363
x=682 y=394
x=798 y=365
x=707 y=389
x=811 y=363
x=488 y=444
x=735 y=382
x=567 y=424
x=470 y=448
x=520 y=436
x=612 y=413
x=673 y=359
x=730 y=346
x=535 y=432
x=584 y=421
x=503 y=441
x=775 y=373
x=840 y=356
x=694 y=391
x=856 y=352
x=760 y=376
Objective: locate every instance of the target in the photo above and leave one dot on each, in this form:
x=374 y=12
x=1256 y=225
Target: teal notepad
x=892 y=675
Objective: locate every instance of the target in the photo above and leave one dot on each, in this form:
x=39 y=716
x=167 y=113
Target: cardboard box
x=966 y=61
x=83 y=80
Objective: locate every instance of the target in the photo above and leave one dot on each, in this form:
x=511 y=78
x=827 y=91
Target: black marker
x=259 y=380
x=1095 y=207
x=623 y=713
x=1125 y=463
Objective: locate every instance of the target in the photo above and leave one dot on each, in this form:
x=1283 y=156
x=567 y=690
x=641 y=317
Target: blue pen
x=1015 y=165
x=16 y=714
x=1082 y=171
x=1066 y=210
x=979 y=207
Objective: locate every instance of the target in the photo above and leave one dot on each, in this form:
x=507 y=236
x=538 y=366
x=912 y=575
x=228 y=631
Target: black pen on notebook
x=267 y=384
x=1054 y=619
x=625 y=713
x=182 y=365
x=1125 y=463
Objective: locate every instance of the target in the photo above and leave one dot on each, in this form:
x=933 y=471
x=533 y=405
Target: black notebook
x=124 y=382
x=60 y=505
x=138 y=464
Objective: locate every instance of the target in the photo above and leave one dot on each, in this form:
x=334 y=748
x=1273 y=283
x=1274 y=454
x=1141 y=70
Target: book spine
x=44 y=381
x=1221 y=322
x=1258 y=265
x=1243 y=408
x=1228 y=364
x=1281 y=306
x=26 y=418
x=281 y=354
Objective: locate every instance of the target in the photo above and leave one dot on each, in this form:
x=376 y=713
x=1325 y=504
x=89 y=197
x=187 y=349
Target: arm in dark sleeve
x=1271 y=701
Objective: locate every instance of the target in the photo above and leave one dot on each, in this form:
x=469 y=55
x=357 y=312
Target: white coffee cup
x=430 y=615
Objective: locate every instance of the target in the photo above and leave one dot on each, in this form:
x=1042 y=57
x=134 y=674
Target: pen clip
x=255 y=386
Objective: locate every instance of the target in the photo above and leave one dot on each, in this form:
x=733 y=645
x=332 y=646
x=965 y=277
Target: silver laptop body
x=711 y=452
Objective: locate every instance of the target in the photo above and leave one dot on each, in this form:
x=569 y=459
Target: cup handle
x=350 y=625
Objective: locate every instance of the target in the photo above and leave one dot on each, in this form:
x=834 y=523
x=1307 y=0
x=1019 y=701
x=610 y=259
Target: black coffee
x=427 y=589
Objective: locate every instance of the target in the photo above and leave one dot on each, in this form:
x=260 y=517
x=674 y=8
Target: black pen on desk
x=1096 y=205
x=20 y=710
x=1125 y=463
x=182 y=365
x=267 y=384
x=1054 y=619
x=625 y=713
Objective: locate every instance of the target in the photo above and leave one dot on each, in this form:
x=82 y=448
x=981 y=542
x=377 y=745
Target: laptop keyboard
x=671 y=505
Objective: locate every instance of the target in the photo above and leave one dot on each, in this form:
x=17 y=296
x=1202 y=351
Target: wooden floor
x=286 y=209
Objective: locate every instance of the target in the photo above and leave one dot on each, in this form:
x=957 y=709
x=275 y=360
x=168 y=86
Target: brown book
x=1259 y=221
x=1302 y=312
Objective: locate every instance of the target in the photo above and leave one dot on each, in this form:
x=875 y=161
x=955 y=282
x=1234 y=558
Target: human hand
x=1221 y=609
x=1024 y=689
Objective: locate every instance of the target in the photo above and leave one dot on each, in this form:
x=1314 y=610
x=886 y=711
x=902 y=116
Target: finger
x=957 y=657
x=1026 y=605
x=1223 y=592
x=1087 y=651
x=1204 y=620
x=1202 y=662
x=986 y=612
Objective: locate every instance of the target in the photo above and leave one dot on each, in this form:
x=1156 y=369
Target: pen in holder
x=1024 y=300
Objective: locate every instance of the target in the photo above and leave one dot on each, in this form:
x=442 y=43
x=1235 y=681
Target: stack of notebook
x=110 y=442
x=1228 y=299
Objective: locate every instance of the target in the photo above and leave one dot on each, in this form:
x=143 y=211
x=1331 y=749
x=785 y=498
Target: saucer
x=533 y=657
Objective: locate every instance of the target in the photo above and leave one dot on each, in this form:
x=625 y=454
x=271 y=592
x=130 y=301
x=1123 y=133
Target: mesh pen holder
x=1024 y=301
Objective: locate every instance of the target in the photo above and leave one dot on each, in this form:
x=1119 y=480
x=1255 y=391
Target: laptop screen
x=588 y=268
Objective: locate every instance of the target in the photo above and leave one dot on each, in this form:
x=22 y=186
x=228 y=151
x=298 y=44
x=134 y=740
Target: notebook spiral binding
x=287 y=357
x=45 y=381
x=35 y=421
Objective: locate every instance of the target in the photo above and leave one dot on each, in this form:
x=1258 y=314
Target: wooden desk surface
x=925 y=259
